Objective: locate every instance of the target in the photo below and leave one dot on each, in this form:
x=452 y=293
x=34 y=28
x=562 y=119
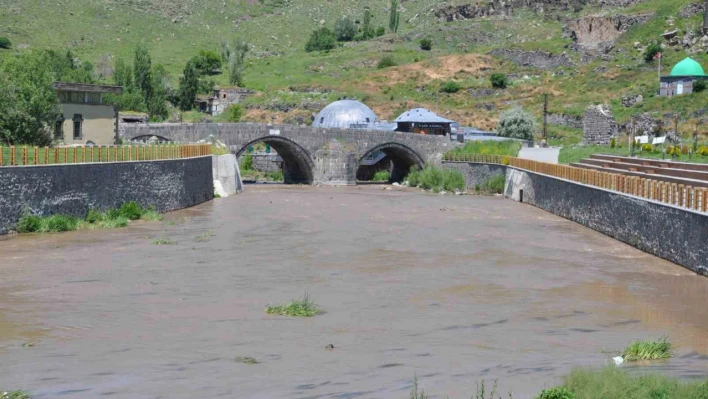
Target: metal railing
x=686 y=196
x=21 y=156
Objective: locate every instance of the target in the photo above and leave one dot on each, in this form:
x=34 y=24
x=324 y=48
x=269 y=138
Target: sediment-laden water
x=451 y=289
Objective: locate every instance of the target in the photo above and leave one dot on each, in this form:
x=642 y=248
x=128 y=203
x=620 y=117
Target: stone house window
x=78 y=122
x=59 y=128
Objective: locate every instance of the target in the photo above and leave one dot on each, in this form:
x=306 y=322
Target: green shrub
x=322 y=39
x=380 y=31
x=5 y=43
x=247 y=163
x=556 y=393
x=450 y=87
x=29 y=224
x=276 y=175
x=386 y=62
x=304 y=307
x=499 y=81
x=14 y=395
x=382 y=175
x=114 y=223
x=651 y=51
x=94 y=216
x=613 y=142
x=426 y=44
x=516 y=123
x=130 y=210
x=493 y=185
x=234 y=113
x=648 y=350
x=699 y=86
x=58 y=223
x=647 y=147
x=703 y=150
x=345 y=29
x=436 y=179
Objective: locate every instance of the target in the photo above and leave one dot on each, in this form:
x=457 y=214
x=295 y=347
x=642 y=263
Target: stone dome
x=688 y=67
x=344 y=114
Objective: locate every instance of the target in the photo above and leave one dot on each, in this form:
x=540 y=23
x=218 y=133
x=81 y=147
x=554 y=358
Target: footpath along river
x=451 y=289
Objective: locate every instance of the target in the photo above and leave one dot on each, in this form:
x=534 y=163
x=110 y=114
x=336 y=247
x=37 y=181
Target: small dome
x=688 y=67
x=344 y=114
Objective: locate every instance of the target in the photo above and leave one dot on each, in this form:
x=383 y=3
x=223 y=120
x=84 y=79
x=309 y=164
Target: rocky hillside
x=580 y=52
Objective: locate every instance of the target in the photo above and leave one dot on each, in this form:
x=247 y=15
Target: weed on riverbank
x=382 y=175
x=164 y=241
x=246 y=360
x=493 y=185
x=436 y=179
x=304 y=307
x=110 y=219
x=648 y=350
x=14 y=395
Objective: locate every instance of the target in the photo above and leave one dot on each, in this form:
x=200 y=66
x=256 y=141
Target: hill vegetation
x=541 y=48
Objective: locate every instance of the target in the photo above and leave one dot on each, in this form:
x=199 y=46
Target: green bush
x=493 y=185
x=386 y=62
x=234 y=113
x=499 y=81
x=699 y=86
x=14 y=395
x=426 y=44
x=556 y=393
x=5 y=43
x=648 y=350
x=94 y=216
x=516 y=123
x=651 y=51
x=345 y=29
x=322 y=39
x=613 y=142
x=130 y=210
x=29 y=224
x=58 y=223
x=647 y=147
x=380 y=31
x=436 y=179
x=276 y=175
x=450 y=87
x=382 y=175
x=703 y=150
x=247 y=163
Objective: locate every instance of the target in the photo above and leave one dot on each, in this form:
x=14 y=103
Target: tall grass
x=303 y=307
x=493 y=185
x=490 y=147
x=615 y=383
x=382 y=175
x=437 y=179
x=648 y=350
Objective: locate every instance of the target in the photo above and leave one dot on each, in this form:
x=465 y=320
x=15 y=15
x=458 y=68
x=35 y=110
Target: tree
x=237 y=61
x=157 y=105
x=367 y=31
x=234 y=113
x=207 y=62
x=188 y=86
x=345 y=29
x=499 y=81
x=380 y=31
x=516 y=123
x=5 y=43
x=395 y=17
x=651 y=51
x=123 y=74
x=29 y=107
x=321 y=39
x=142 y=69
x=426 y=44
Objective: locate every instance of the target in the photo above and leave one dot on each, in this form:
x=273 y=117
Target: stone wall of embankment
x=73 y=189
x=673 y=233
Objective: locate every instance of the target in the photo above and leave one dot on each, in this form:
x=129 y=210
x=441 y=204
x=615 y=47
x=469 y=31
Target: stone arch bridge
x=310 y=155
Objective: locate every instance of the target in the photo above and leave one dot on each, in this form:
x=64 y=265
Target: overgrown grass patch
x=490 y=147
x=382 y=175
x=493 y=185
x=303 y=307
x=437 y=179
x=14 y=395
x=648 y=350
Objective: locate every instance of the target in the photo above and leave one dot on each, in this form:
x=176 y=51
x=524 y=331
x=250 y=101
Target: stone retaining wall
x=75 y=188
x=475 y=173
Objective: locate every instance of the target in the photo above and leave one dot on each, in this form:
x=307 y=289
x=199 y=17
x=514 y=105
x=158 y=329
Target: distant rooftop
x=421 y=115
x=345 y=114
x=84 y=87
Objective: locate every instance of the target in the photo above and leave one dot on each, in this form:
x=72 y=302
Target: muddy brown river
x=451 y=289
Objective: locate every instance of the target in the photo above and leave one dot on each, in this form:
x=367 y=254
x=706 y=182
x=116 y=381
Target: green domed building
x=682 y=77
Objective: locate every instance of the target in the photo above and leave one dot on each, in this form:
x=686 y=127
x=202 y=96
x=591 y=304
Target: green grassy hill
x=285 y=75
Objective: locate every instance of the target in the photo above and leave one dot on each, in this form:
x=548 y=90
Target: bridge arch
x=402 y=158
x=298 y=166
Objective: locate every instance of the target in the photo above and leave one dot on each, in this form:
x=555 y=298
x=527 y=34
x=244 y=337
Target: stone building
x=682 y=78
x=86 y=118
x=599 y=125
x=221 y=99
x=423 y=121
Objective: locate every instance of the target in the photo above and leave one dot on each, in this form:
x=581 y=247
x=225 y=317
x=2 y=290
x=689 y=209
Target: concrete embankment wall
x=476 y=173
x=75 y=188
x=676 y=234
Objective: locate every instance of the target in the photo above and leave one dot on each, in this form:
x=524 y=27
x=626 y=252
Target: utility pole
x=545 y=117
x=676 y=134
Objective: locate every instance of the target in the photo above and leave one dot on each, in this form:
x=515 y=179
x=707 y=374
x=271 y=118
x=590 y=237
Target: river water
x=451 y=289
